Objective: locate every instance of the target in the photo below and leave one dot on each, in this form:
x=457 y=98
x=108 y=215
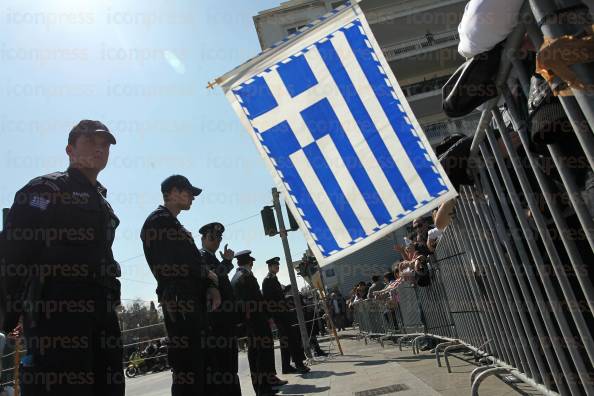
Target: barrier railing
x=513 y=274
x=431 y=40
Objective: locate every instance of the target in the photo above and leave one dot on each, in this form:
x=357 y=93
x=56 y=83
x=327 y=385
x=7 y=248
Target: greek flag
x=332 y=124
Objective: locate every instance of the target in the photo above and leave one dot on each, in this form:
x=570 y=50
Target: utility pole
x=296 y=298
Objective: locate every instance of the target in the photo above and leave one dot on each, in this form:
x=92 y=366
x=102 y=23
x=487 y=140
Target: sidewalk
x=367 y=368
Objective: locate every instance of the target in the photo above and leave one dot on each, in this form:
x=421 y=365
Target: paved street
x=362 y=368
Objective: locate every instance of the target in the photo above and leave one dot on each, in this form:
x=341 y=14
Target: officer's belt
x=77 y=264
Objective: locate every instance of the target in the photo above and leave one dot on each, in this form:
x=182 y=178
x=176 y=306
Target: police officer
x=60 y=274
x=222 y=357
x=255 y=318
x=185 y=286
x=285 y=319
x=311 y=325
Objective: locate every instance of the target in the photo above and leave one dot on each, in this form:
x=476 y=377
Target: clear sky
x=141 y=67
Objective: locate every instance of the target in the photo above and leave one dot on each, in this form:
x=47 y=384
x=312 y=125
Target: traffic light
x=293 y=226
x=269 y=221
x=308 y=267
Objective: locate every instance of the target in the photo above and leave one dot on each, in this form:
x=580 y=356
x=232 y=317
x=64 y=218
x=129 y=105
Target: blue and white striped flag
x=330 y=120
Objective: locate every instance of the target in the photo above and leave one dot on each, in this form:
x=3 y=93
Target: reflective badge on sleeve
x=39 y=202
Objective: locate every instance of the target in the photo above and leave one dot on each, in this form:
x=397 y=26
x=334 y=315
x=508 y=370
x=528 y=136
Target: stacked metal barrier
x=434 y=307
x=514 y=271
x=375 y=319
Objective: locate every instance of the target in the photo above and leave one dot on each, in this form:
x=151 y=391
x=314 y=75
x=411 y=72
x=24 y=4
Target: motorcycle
x=142 y=363
x=134 y=366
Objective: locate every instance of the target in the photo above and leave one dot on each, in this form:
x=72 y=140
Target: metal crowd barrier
x=7 y=360
x=513 y=277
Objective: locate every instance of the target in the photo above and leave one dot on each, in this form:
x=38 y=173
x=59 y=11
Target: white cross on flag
x=340 y=140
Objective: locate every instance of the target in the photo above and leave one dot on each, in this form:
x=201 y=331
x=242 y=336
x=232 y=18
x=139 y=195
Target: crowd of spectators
x=412 y=268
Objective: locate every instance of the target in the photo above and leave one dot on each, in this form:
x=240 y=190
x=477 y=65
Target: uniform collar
x=80 y=178
x=271 y=275
x=243 y=269
x=164 y=208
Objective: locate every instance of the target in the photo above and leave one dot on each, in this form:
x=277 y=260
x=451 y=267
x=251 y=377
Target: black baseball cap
x=89 y=127
x=181 y=183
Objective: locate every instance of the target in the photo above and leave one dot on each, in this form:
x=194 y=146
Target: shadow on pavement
x=300 y=389
x=413 y=358
x=374 y=362
x=324 y=374
x=384 y=361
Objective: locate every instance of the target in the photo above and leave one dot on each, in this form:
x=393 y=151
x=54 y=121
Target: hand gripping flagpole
x=291 y=270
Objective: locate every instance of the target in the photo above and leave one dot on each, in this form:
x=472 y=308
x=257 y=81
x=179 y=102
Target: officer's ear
x=71 y=152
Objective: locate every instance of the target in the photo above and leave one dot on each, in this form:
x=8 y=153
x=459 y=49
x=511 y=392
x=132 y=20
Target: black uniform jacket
x=274 y=294
x=174 y=258
x=225 y=318
x=60 y=227
x=250 y=301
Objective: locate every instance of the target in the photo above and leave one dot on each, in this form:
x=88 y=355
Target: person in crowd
x=407 y=252
x=338 y=310
x=433 y=237
x=222 y=358
x=388 y=278
x=76 y=226
x=421 y=227
x=288 y=335
x=185 y=286
x=363 y=288
x=255 y=317
x=350 y=313
x=357 y=296
x=150 y=349
x=393 y=280
x=376 y=285
x=415 y=271
x=444 y=214
x=390 y=295
x=485 y=24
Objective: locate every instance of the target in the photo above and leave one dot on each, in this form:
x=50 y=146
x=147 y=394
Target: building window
x=330 y=273
x=294 y=29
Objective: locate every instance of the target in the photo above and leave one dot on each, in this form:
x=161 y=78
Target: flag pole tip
x=212 y=84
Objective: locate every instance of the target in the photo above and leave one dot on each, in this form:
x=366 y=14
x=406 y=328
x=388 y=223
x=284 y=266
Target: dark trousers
x=260 y=354
x=290 y=343
x=222 y=362
x=339 y=321
x=186 y=351
x=74 y=345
